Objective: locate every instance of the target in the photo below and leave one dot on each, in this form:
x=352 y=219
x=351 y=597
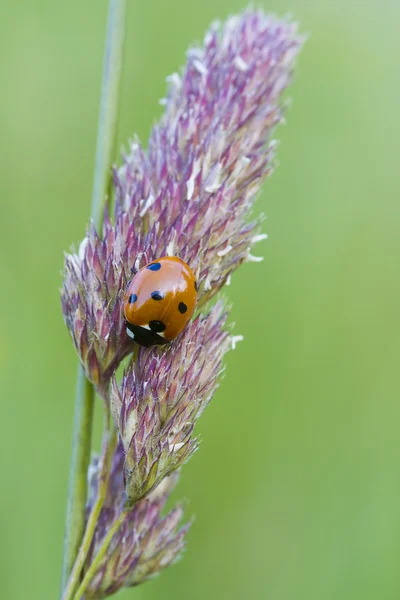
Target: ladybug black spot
x=154 y=267
x=157 y=295
x=182 y=307
x=132 y=298
x=157 y=326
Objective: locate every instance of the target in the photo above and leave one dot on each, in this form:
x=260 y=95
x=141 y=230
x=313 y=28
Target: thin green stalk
x=100 y=555
x=110 y=439
x=82 y=438
x=108 y=118
x=105 y=153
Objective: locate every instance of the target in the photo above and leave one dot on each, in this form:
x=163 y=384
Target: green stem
x=107 y=129
x=100 y=555
x=84 y=402
x=80 y=459
x=110 y=439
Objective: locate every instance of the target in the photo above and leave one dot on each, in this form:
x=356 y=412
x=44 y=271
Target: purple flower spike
x=191 y=194
x=145 y=543
x=92 y=296
x=211 y=150
x=161 y=397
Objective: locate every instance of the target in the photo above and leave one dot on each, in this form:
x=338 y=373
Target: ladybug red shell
x=159 y=301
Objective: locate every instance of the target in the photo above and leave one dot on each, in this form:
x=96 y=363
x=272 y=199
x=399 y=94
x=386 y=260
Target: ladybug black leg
x=133 y=273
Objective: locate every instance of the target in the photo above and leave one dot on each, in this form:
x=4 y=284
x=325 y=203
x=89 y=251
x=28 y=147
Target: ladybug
x=159 y=301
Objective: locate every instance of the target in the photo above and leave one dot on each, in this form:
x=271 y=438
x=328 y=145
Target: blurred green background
x=297 y=485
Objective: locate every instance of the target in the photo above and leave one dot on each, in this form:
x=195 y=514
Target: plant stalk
x=109 y=443
x=101 y=554
x=81 y=444
x=84 y=402
x=108 y=118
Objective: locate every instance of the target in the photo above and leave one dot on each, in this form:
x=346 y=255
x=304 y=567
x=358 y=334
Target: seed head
x=160 y=398
x=192 y=192
x=145 y=543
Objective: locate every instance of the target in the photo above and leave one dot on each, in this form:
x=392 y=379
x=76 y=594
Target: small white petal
x=207 y=283
x=170 y=248
x=190 y=187
x=82 y=248
x=162 y=101
x=214 y=179
x=235 y=339
x=137 y=261
x=174 y=80
x=251 y=258
x=225 y=251
x=175 y=447
x=228 y=279
x=196 y=169
x=229 y=26
x=207 y=38
x=200 y=67
x=241 y=165
x=240 y=63
x=149 y=202
x=195 y=52
x=259 y=238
